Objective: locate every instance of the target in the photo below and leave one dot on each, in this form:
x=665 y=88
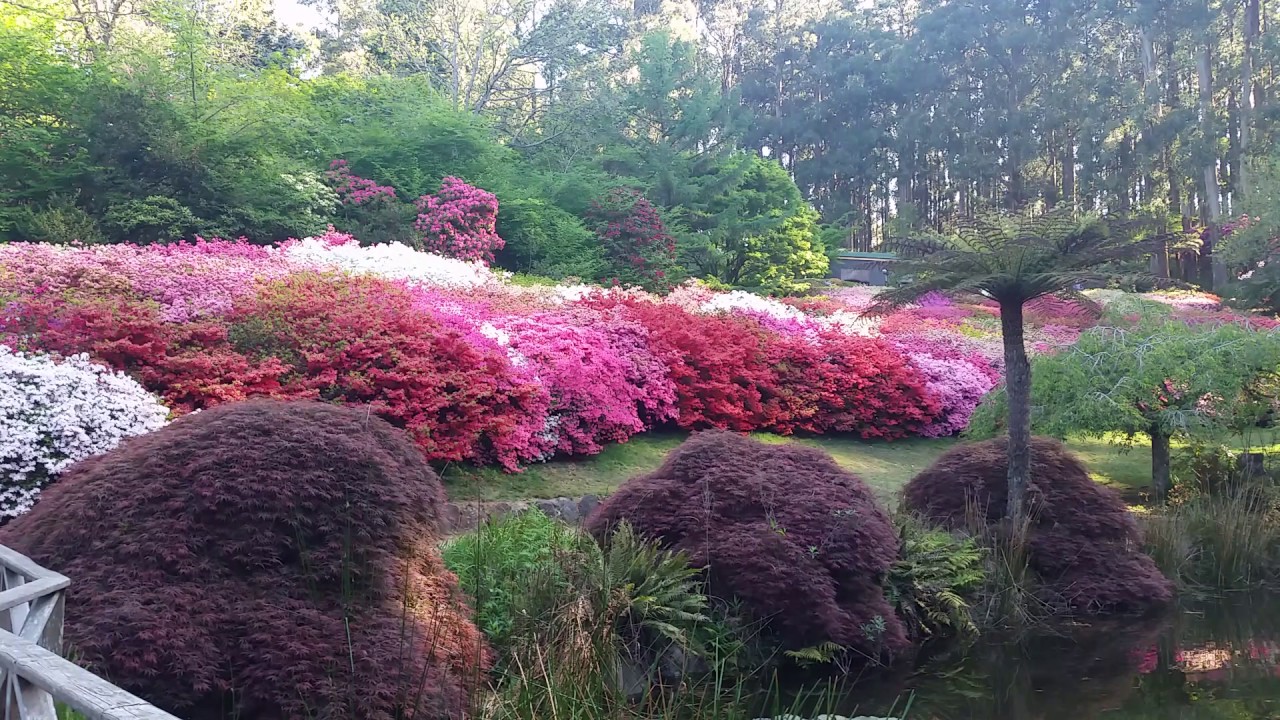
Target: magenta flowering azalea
x=355 y=190
x=459 y=222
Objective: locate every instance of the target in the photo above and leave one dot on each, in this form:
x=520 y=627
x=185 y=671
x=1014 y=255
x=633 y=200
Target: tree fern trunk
x=1017 y=373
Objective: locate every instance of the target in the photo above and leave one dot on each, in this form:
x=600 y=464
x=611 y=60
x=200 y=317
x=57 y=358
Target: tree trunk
x=1161 y=480
x=1212 y=204
x=1017 y=373
x=1252 y=28
x=1069 y=168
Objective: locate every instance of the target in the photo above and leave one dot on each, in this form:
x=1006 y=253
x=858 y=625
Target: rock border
x=461 y=517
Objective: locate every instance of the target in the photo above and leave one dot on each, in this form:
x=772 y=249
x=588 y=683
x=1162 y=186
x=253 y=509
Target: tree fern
x=1013 y=259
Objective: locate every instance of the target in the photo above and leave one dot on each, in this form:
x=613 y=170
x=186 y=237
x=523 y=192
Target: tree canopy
x=756 y=128
x=1160 y=380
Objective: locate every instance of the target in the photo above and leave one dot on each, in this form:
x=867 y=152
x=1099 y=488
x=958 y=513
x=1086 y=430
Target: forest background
x=752 y=137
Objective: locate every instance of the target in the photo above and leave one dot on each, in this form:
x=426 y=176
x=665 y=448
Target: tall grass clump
x=580 y=630
x=1226 y=540
x=1221 y=529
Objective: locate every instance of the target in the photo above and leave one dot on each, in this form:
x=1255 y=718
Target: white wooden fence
x=33 y=674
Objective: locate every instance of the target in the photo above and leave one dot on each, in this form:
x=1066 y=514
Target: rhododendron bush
x=460 y=221
x=480 y=370
x=55 y=413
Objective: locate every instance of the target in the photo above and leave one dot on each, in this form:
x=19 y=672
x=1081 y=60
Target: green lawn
x=886 y=466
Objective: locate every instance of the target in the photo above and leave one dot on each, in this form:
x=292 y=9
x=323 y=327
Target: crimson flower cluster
x=636 y=242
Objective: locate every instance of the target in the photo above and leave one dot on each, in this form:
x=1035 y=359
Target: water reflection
x=1213 y=659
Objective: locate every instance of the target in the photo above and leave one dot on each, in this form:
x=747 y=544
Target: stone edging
x=460 y=517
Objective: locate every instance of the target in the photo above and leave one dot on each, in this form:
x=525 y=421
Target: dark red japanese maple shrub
x=1084 y=545
x=261 y=559
x=843 y=383
x=718 y=363
x=798 y=541
x=365 y=340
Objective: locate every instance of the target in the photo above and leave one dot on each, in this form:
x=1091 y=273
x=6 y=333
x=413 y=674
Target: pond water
x=1209 y=659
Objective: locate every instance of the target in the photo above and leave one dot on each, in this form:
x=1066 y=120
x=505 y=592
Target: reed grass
x=1227 y=540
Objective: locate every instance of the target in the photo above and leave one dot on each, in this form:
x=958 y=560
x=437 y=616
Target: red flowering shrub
x=459 y=222
x=121 y=331
x=1084 y=543
x=718 y=363
x=261 y=560
x=799 y=542
x=201 y=370
x=364 y=340
x=190 y=365
x=847 y=384
x=637 y=245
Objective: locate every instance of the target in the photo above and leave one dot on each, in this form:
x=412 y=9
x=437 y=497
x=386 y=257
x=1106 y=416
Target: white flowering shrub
x=394 y=261
x=752 y=304
x=53 y=414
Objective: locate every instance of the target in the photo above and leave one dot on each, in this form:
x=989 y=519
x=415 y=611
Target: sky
x=292 y=13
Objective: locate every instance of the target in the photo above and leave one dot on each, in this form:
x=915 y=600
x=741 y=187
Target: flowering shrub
x=718 y=364
x=392 y=260
x=190 y=365
x=363 y=340
x=774 y=315
x=459 y=222
x=356 y=190
x=187 y=280
x=53 y=414
x=636 y=242
x=605 y=385
x=481 y=370
x=847 y=384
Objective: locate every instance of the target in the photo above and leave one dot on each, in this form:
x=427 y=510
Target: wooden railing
x=34 y=676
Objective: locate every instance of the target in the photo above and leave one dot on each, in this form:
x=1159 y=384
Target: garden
x=508 y=359
x=243 y=456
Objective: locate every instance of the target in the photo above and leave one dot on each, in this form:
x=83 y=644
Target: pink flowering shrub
x=955 y=374
x=355 y=190
x=188 y=280
x=459 y=222
x=604 y=384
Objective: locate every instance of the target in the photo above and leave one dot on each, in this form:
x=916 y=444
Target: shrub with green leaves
x=528 y=572
x=1163 y=380
x=934 y=580
x=497 y=564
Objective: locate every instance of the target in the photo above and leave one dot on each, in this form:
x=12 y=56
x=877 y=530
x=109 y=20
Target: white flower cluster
x=53 y=414
x=851 y=323
x=394 y=261
x=750 y=303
